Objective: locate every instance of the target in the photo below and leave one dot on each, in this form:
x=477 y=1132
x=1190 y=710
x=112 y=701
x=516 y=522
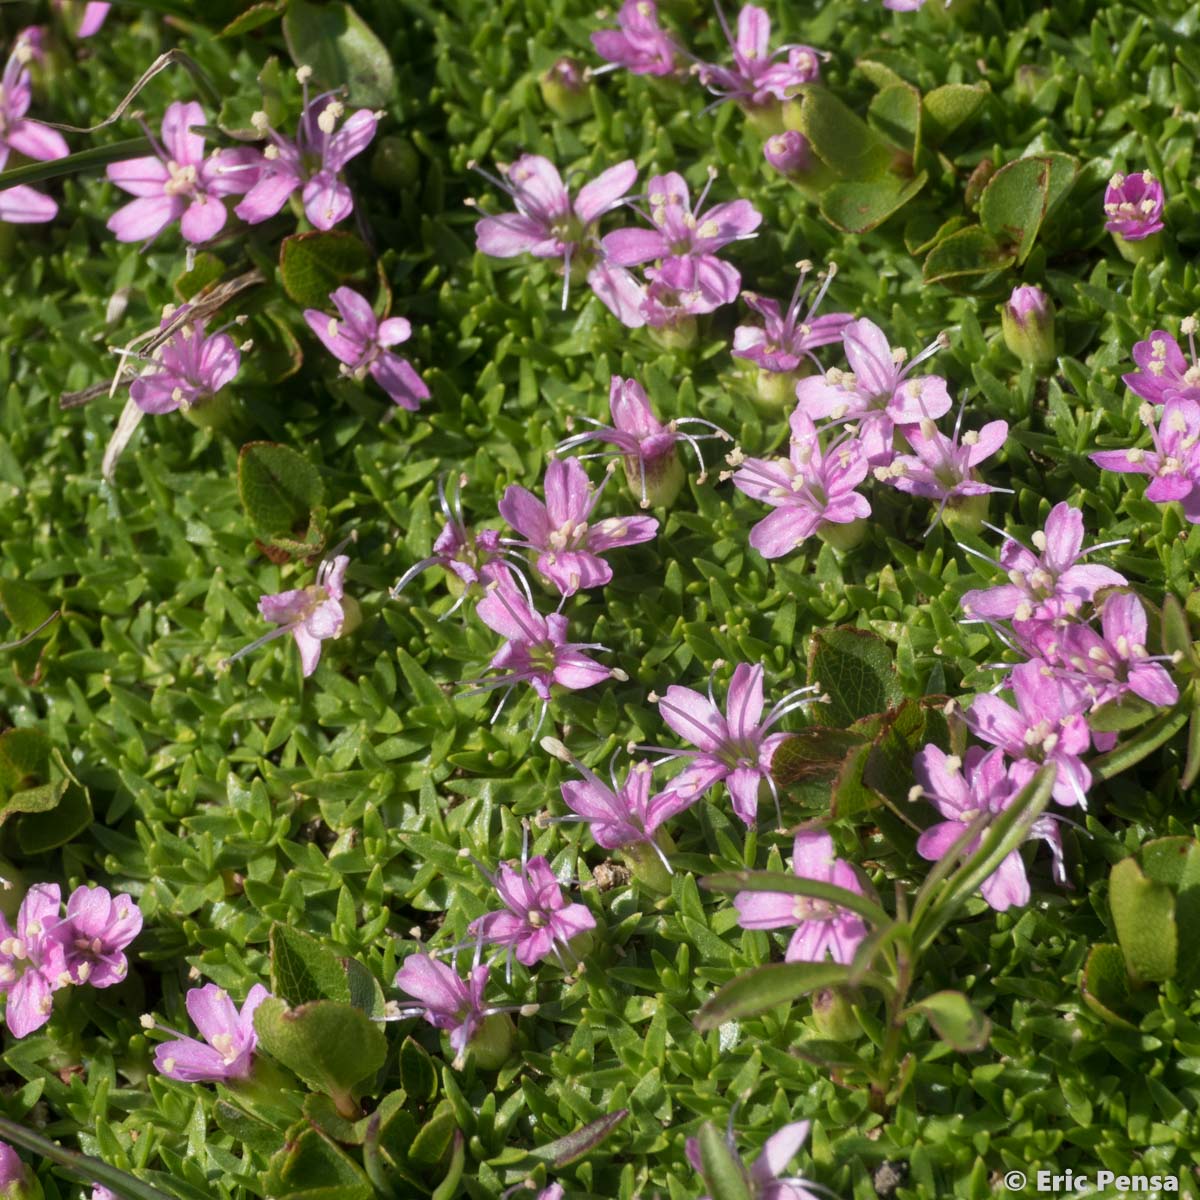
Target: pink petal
x=36 y=140
x=327 y=200
x=400 y=380
x=870 y=358
x=743 y=784
x=568 y=492
x=620 y=531
x=1064 y=536
x=212 y=1011
x=744 y=702
x=267 y=196
x=526 y=514
x=310 y=650
x=285 y=607
x=139 y=176
x=765 y=910
x=393 y=331
x=754 y=32
x=509 y=235
x=23 y=205
x=184 y=147
x=345 y=349
x=628 y=247
x=350 y=140
x=779 y=1150
x=693 y=717
x=780 y=532
x=145 y=218
x=619 y=292
x=605 y=191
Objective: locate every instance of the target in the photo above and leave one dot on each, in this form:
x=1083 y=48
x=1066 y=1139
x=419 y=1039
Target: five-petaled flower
x=186 y=370
x=313 y=161
x=824 y=929
x=360 y=341
x=809 y=490
x=32 y=964
x=639 y=43
x=536 y=918
x=445 y=1000
x=567 y=542
x=1133 y=205
x=227 y=1051
x=178 y=183
x=94 y=934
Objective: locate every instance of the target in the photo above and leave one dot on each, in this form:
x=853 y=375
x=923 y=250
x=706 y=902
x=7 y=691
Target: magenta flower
x=764 y=1180
x=14 y=1175
x=621 y=815
x=467 y=555
x=187 y=369
x=784 y=341
x=547 y=223
x=1048 y=585
x=986 y=786
x=1047 y=726
x=789 y=153
x=32 y=966
x=1133 y=205
x=823 y=929
x=1163 y=372
x=733 y=746
x=877 y=391
x=22 y=204
x=645 y=443
x=1114 y=662
x=808 y=490
x=536 y=650
x=686 y=241
x=1028 y=303
x=360 y=341
x=756 y=80
x=229 y=1034
x=97 y=928
x=670 y=300
x=943 y=468
x=1027 y=323
x=568 y=545
x=312 y=614
x=536 y=917
x=444 y=999
x=639 y=43
x=314 y=162
x=178 y=183
x=1174 y=463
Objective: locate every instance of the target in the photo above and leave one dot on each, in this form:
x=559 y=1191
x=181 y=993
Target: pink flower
x=639 y=44
x=94 y=16
x=764 y=1180
x=312 y=614
x=178 y=183
x=314 y=161
x=94 y=934
x=673 y=296
x=187 y=370
x=756 y=79
x=877 y=391
x=560 y=530
x=1173 y=464
x=360 y=343
x=623 y=815
x=1115 y=662
x=32 y=966
x=548 y=223
x=536 y=917
x=21 y=204
x=686 y=241
x=229 y=1034
x=734 y=746
x=809 y=489
x=789 y=153
x=1133 y=205
x=646 y=444
x=823 y=929
x=536 y=650
x=785 y=341
x=14 y=1175
x=1163 y=372
x=1047 y=726
x=444 y=999
x=986 y=786
x=1048 y=585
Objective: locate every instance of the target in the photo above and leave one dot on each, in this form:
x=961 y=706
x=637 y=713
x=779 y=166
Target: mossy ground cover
x=310 y=834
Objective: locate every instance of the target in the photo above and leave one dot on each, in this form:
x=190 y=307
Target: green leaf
x=860 y=205
x=956 y=1020
x=253 y=17
x=566 y=1150
x=302 y=969
x=448 y=1188
x=433 y=1139
x=311 y=1167
x=1014 y=203
x=792 y=885
x=418 y=1075
x=279 y=488
x=970 y=251
x=1126 y=712
x=333 y=1047
x=206 y=269
x=1105 y=983
x=24 y=605
x=896 y=113
x=341 y=49
x=812 y=753
x=1176 y=635
x=1148 y=739
x=777 y=983
x=841 y=139
x=854 y=668
x=24 y=759
x=723 y=1172
x=74 y=164
x=949 y=107
x=67 y=812
x=1144 y=914
x=313 y=265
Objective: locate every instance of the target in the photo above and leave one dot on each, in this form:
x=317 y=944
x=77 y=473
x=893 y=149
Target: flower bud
x=833 y=1016
x=664 y=477
x=966 y=514
x=564 y=90
x=395 y=164
x=1027 y=320
x=789 y=153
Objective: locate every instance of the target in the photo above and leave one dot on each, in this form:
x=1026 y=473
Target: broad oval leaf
x=956 y=1020
x=1144 y=913
x=342 y=50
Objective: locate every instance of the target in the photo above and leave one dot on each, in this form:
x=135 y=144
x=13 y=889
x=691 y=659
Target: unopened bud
x=789 y=153
x=564 y=90
x=1027 y=320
